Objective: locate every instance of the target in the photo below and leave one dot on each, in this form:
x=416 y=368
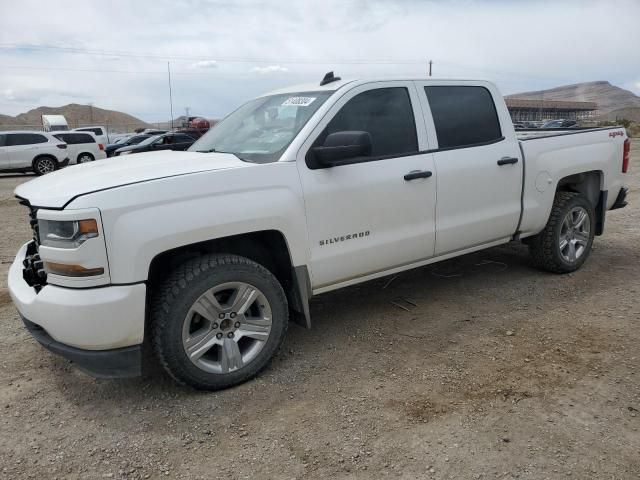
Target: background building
x=532 y=110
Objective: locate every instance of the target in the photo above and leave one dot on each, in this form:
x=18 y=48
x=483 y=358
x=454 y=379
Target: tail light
x=625 y=155
x=62 y=145
x=101 y=146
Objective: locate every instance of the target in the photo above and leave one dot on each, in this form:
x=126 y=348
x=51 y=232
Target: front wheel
x=218 y=320
x=565 y=243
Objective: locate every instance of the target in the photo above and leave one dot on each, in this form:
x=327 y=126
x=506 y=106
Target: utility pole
x=430 y=64
x=170 y=94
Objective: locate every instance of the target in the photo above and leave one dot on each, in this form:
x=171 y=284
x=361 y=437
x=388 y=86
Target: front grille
x=33 y=219
x=33 y=272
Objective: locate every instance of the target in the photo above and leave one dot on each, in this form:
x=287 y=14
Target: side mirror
x=340 y=147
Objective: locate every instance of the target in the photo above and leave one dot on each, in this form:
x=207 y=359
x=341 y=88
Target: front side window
x=463 y=116
x=386 y=114
x=261 y=130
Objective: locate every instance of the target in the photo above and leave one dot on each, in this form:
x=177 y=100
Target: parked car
x=154 y=131
x=167 y=141
x=125 y=142
x=25 y=151
x=82 y=147
x=101 y=133
x=205 y=255
x=560 y=124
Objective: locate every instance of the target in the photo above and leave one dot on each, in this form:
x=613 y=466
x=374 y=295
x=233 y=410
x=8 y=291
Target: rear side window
x=386 y=114
x=83 y=138
x=183 y=138
x=97 y=131
x=14 y=139
x=65 y=137
x=463 y=116
x=3 y=140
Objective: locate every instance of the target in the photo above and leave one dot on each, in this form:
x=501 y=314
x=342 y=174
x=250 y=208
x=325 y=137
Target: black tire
x=44 y=164
x=545 y=247
x=172 y=302
x=86 y=156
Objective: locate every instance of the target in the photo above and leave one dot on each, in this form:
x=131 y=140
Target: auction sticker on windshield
x=299 y=101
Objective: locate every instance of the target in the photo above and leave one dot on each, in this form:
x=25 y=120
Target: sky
x=114 y=53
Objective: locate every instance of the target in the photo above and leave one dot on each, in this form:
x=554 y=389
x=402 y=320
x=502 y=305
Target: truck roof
x=335 y=85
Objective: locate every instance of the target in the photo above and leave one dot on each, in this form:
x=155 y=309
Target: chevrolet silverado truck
x=204 y=256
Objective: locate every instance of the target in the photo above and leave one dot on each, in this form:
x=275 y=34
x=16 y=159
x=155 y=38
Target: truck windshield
x=260 y=130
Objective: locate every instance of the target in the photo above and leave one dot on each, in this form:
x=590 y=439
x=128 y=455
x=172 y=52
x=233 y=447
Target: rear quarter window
x=463 y=115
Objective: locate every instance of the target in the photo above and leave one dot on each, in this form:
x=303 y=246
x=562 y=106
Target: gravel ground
x=476 y=368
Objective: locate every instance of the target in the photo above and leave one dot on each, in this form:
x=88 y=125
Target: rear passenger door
x=479 y=171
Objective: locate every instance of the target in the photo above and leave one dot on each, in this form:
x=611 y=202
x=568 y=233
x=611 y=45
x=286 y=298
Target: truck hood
x=56 y=189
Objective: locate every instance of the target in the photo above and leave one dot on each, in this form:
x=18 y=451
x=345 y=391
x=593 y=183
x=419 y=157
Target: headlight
x=66 y=234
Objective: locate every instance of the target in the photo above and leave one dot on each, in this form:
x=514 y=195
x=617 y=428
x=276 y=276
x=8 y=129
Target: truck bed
x=533 y=133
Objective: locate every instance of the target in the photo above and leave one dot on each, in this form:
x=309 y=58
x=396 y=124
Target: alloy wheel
x=227 y=327
x=574 y=234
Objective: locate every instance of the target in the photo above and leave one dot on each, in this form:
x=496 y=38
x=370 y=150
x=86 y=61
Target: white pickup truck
x=206 y=255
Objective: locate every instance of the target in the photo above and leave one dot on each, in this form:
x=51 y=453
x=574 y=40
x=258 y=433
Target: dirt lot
x=495 y=371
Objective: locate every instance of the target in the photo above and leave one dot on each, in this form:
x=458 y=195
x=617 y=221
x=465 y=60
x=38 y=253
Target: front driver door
x=365 y=217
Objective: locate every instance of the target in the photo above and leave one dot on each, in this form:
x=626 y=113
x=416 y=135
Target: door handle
x=417 y=174
x=507 y=161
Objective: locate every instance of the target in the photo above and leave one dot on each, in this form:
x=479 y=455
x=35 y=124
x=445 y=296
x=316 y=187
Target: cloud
x=125 y=68
x=205 y=64
x=270 y=69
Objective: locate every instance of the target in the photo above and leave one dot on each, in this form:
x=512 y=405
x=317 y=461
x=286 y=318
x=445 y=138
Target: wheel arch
x=589 y=184
x=44 y=155
x=85 y=153
x=269 y=248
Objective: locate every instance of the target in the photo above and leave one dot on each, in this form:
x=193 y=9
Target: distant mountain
x=77 y=115
x=607 y=96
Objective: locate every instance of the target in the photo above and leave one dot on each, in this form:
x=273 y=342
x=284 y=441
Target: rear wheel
x=218 y=320
x=565 y=243
x=44 y=165
x=85 y=157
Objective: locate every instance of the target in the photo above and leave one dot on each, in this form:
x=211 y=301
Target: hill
x=77 y=115
x=608 y=97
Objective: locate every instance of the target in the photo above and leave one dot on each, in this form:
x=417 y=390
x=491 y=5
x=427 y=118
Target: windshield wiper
x=213 y=150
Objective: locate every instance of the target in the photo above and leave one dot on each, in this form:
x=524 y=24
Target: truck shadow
x=421 y=312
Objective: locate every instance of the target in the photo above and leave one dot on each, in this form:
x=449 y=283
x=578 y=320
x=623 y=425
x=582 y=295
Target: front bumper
x=81 y=322
x=115 y=363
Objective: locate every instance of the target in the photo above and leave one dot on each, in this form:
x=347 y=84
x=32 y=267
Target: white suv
x=100 y=132
x=24 y=151
x=82 y=146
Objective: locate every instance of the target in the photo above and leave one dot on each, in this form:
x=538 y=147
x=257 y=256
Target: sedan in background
x=167 y=141
x=560 y=124
x=126 y=142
